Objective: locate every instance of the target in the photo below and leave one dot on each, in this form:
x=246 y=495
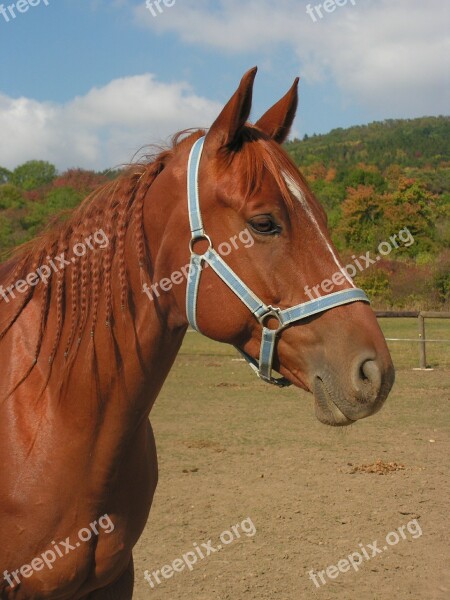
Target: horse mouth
x=327 y=411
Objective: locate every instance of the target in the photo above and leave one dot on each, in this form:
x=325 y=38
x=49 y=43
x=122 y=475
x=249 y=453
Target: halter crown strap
x=256 y=306
x=195 y=216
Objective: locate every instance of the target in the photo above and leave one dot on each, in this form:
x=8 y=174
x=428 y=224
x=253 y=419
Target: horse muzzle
x=362 y=395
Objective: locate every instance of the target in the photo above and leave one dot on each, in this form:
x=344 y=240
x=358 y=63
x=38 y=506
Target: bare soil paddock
x=231 y=448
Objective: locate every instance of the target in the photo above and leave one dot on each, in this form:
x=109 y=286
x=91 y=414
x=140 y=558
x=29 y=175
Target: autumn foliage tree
x=361 y=217
x=414 y=207
x=80 y=180
x=368 y=218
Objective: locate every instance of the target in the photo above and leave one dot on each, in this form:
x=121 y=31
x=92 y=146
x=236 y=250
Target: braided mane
x=116 y=207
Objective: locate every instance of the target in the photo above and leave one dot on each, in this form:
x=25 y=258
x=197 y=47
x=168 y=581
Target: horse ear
x=234 y=115
x=277 y=121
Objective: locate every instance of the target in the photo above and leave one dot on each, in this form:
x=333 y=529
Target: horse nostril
x=367 y=379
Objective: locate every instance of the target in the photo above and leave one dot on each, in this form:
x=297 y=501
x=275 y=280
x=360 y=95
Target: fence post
x=422 y=342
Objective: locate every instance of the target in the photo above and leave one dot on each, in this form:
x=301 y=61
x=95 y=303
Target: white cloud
x=391 y=55
x=103 y=128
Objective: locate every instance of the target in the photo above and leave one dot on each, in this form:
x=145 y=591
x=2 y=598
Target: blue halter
x=261 y=311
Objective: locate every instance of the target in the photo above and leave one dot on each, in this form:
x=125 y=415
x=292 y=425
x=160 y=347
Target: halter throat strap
x=260 y=310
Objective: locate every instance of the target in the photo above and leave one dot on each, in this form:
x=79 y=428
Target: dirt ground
x=233 y=450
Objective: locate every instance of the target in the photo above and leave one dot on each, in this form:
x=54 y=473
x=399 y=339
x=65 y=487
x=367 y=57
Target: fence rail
x=421 y=340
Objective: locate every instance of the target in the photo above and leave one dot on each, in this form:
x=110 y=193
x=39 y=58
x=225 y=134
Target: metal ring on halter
x=275 y=312
x=203 y=236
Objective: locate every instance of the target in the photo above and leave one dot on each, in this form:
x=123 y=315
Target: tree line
x=373 y=181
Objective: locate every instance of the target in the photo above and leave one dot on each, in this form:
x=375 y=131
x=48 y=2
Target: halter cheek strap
x=260 y=310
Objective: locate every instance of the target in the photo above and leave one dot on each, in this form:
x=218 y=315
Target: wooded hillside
x=373 y=180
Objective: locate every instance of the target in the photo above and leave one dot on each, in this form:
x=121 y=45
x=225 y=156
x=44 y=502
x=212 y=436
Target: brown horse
x=85 y=352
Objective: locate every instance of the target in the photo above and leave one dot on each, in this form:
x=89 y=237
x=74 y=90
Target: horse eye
x=264 y=224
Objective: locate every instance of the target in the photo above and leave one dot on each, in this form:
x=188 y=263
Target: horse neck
x=131 y=357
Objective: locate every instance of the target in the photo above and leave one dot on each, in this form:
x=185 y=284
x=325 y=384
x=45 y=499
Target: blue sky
x=87 y=82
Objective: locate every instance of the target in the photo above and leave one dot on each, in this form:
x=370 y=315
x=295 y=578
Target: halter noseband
x=261 y=311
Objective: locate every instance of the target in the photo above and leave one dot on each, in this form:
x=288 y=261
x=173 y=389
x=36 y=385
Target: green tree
x=13 y=206
x=362 y=214
x=5 y=175
x=11 y=197
x=33 y=174
x=376 y=284
x=6 y=232
x=414 y=207
x=361 y=176
x=55 y=203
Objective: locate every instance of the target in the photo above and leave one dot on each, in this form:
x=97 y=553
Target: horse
x=93 y=313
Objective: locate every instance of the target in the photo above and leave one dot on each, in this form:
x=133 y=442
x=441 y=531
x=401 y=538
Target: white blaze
x=297 y=192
